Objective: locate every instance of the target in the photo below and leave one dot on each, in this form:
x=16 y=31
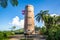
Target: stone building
x=29 y=20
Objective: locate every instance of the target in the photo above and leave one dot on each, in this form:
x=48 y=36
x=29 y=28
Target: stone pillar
x=29 y=20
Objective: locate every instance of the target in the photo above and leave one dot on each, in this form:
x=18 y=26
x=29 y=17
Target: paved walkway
x=18 y=37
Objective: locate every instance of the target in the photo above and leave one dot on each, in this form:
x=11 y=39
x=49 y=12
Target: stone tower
x=29 y=20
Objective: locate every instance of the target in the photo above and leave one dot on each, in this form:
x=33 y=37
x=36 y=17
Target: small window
x=28 y=30
x=29 y=24
x=29 y=11
x=29 y=17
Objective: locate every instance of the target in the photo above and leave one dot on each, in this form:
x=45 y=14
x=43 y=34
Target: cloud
x=17 y=22
x=20 y=22
x=54 y=15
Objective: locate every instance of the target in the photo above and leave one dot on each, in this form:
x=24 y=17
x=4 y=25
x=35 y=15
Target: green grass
x=4 y=39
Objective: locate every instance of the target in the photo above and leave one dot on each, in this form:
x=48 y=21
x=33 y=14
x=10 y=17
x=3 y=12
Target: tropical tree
x=13 y=27
x=41 y=15
x=37 y=28
x=52 y=24
x=58 y=20
x=54 y=27
x=43 y=30
x=4 y=3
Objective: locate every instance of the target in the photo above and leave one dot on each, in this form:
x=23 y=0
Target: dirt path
x=13 y=39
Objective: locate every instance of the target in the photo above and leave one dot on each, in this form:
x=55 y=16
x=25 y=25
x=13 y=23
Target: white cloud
x=17 y=22
x=54 y=15
x=20 y=22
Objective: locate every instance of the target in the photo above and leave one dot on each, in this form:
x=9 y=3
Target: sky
x=11 y=16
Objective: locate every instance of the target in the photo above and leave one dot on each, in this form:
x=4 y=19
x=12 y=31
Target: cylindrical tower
x=29 y=20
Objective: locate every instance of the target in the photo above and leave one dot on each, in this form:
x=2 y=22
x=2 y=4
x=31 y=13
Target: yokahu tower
x=29 y=20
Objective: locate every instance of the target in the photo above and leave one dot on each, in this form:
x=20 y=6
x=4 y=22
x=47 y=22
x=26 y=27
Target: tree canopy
x=4 y=3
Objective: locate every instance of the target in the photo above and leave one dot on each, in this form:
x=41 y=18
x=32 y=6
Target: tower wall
x=29 y=20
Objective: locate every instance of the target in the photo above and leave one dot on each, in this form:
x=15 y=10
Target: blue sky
x=9 y=13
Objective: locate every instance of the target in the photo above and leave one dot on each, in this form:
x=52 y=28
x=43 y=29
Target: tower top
x=29 y=6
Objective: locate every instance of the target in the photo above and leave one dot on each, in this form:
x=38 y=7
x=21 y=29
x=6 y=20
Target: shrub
x=4 y=35
x=1 y=35
x=54 y=33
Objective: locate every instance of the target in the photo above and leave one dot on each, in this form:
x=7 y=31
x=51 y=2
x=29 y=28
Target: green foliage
x=14 y=2
x=57 y=35
x=43 y=30
x=54 y=33
x=41 y=15
x=37 y=28
x=4 y=3
x=52 y=24
x=5 y=34
x=13 y=28
x=19 y=31
x=1 y=35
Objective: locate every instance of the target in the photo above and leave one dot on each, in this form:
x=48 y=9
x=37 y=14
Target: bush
x=43 y=30
x=1 y=35
x=19 y=32
x=4 y=35
x=57 y=36
x=54 y=33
